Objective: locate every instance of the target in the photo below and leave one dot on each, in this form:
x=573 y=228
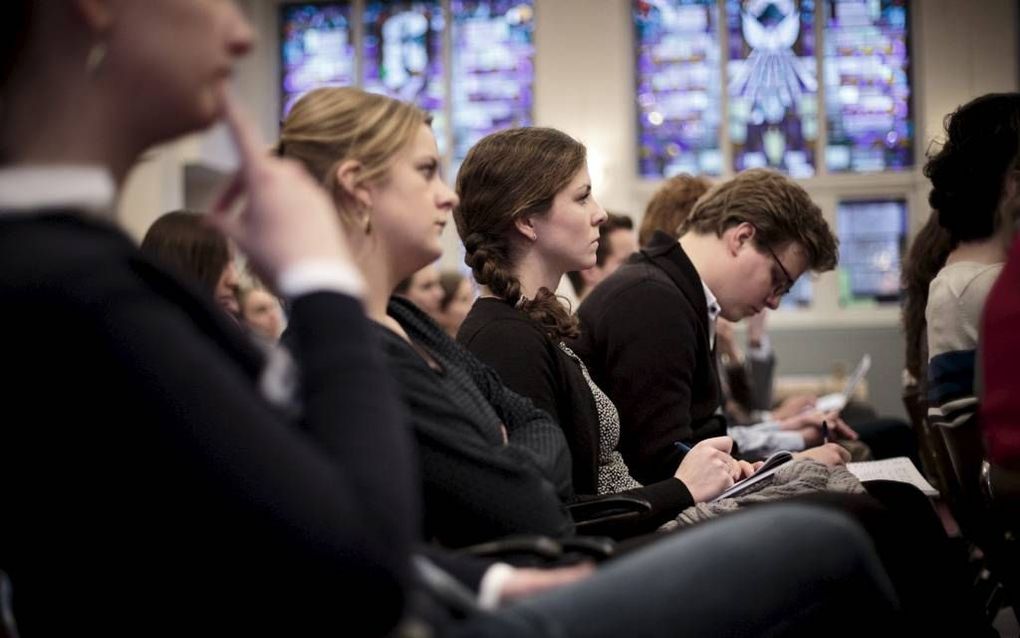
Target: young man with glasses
x=648 y=330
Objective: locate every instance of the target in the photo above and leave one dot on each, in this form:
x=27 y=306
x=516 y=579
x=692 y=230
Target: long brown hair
x=926 y=256
x=507 y=176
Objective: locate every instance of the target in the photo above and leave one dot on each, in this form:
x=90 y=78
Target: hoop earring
x=95 y=57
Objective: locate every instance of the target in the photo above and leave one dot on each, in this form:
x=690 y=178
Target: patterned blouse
x=613 y=475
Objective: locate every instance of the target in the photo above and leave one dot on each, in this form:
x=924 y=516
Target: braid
x=489 y=259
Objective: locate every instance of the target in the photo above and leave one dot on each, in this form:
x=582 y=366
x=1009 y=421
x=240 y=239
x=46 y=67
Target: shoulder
x=492 y=319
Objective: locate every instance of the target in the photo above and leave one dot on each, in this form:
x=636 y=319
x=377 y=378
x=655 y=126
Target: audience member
x=527 y=214
x=261 y=312
x=193 y=249
x=742 y=248
x=423 y=289
x=458 y=295
x=148 y=487
x=670 y=206
x=972 y=178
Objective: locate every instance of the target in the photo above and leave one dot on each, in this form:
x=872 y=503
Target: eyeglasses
x=782 y=289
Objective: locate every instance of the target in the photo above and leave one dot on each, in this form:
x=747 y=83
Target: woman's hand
x=284 y=216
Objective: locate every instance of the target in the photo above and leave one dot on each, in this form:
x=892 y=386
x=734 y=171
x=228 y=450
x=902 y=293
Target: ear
x=526 y=228
x=348 y=175
x=96 y=15
x=737 y=236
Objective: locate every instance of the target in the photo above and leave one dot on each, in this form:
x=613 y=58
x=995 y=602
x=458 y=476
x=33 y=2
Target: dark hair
x=449 y=281
x=671 y=204
x=183 y=242
x=982 y=139
x=506 y=176
x=613 y=223
x=926 y=256
x=780 y=210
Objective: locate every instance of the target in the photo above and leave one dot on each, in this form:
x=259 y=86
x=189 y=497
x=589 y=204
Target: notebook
x=837 y=401
x=767 y=469
x=899 y=469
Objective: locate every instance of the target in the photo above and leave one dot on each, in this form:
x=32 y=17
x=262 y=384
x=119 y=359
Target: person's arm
x=531 y=429
x=644 y=349
x=334 y=509
x=476 y=488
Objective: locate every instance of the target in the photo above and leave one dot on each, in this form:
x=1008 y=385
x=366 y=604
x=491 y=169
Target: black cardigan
x=530 y=363
x=141 y=465
x=476 y=488
x=644 y=338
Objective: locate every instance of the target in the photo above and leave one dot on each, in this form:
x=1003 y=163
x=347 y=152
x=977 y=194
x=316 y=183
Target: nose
x=447 y=197
x=600 y=214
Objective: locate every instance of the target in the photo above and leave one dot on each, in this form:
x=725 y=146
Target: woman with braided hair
x=527 y=216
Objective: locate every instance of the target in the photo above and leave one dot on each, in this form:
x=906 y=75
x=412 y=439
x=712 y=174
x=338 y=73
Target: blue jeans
x=776 y=570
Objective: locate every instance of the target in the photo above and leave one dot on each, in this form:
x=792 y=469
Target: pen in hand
x=825 y=432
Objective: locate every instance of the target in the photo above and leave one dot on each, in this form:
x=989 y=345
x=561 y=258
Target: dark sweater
x=143 y=469
x=644 y=338
x=530 y=363
x=476 y=487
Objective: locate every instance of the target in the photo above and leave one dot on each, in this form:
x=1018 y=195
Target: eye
x=428 y=169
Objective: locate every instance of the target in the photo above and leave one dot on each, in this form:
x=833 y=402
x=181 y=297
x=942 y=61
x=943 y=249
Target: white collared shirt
x=42 y=187
x=714 y=309
x=91 y=189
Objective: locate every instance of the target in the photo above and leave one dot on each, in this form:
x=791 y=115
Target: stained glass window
x=402 y=55
x=872 y=235
x=493 y=68
x=772 y=84
x=678 y=87
x=867 y=86
x=315 y=49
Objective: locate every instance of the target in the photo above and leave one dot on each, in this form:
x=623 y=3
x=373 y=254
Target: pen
x=683 y=447
x=825 y=432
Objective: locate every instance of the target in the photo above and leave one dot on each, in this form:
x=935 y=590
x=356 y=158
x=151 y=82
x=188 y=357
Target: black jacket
x=476 y=487
x=530 y=363
x=644 y=338
x=148 y=485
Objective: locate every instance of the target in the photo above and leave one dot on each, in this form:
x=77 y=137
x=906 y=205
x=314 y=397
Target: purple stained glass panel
x=772 y=84
x=678 y=87
x=402 y=55
x=315 y=49
x=867 y=86
x=493 y=68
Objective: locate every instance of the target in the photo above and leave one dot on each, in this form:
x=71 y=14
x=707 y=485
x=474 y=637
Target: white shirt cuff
x=320 y=275
x=490 y=590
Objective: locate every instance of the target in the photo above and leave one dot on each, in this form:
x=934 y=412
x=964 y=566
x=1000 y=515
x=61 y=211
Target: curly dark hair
x=982 y=143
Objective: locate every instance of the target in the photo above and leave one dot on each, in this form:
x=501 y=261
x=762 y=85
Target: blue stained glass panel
x=678 y=87
x=772 y=84
x=493 y=68
x=315 y=49
x=871 y=235
x=867 y=86
x=402 y=55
